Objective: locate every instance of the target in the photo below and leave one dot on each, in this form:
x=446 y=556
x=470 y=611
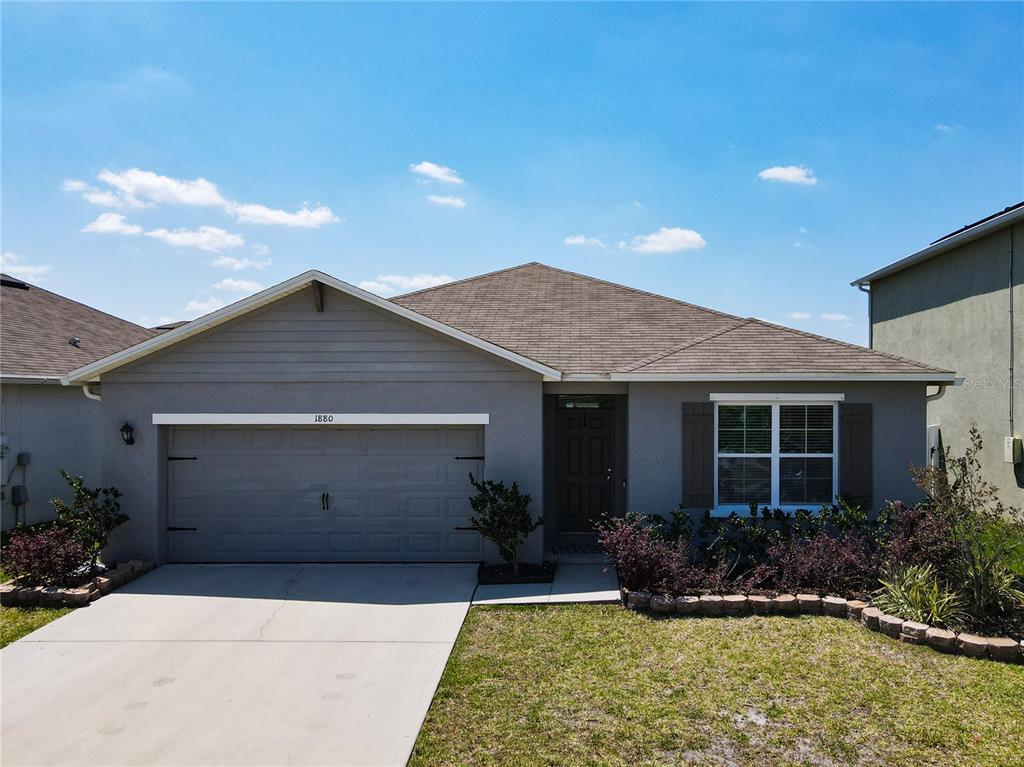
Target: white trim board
x=91 y=373
x=321 y=419
x=777 y=397
x=934 y=378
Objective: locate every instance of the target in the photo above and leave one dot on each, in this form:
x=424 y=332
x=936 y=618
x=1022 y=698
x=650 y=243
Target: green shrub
x=92 y=515
x=502 y=515
x=914 y=593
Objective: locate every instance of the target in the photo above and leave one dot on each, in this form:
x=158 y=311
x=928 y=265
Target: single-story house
x=47 y=426
x=315 y=421
x=960 y=301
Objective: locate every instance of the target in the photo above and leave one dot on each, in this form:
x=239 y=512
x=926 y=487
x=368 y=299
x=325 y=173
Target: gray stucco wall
x=288 y=358
x=61 y=429
x=656 y=437
x=952 y=311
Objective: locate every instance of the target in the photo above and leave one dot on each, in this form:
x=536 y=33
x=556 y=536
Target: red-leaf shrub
x=643 y=559
x=822 y=564
x=49 y=557
x=919 y=535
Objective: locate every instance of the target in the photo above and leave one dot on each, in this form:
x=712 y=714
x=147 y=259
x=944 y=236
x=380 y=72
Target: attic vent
x=75 y=341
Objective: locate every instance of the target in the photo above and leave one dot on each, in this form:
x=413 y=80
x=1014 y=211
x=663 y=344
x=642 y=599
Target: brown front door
x=584 y=468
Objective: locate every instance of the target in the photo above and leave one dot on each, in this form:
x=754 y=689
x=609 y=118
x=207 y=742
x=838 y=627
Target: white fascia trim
x=91 y=372
x=942 y=246
x=17 y=379
x=321 y=419
x=778 y=397
x=810 y=377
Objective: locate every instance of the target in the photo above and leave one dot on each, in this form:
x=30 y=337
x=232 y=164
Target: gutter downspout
x=89 y=393
x=871 y=328
x=1010 y=350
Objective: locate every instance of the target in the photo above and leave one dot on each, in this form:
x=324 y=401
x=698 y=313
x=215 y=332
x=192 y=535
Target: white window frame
x=775 y=403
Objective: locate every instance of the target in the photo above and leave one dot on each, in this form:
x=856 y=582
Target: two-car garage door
x=321 y=493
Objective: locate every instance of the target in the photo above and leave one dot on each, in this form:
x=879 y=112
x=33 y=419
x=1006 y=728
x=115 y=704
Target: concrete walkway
x=237 y=665
x=573 y=583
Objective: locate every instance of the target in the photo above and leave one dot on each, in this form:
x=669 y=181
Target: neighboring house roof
x=1006 y=217
x=168 y=326
x=563 y=325
x=585 y=326
x=93 y=371
x=44 y=335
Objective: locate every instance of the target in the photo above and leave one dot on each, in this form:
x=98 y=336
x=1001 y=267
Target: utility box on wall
x=1012 y=450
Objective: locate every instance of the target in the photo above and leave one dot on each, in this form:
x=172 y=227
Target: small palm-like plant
x=915 y=593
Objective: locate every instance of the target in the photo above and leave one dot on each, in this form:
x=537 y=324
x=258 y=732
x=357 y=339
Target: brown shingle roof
x=580 y=324
x=36 y=327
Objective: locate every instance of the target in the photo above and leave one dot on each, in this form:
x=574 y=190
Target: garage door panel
x=256 y=494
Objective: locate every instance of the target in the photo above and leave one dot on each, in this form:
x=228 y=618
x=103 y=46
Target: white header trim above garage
x=321 y=419
x=91 y=373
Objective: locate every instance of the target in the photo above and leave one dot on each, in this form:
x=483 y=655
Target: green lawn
x=15 y=622
x=596 y=685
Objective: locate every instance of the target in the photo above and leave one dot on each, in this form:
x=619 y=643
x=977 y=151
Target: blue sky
x=161 y=160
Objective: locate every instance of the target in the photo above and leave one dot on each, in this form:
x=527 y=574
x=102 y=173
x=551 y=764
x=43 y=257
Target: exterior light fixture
x=128 y=434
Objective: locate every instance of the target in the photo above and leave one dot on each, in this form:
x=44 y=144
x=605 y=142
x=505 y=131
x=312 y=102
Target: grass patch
x=596 y=685
x=16 y=622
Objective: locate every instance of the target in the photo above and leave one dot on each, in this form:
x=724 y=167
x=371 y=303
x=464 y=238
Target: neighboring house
x=315 y=421
x=42 y=337
x=959 y=304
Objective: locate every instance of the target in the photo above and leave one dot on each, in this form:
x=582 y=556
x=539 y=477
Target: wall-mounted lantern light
x=128 y=434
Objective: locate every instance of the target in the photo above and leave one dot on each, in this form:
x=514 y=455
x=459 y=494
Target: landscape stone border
x=12 y=595
x=909 y=632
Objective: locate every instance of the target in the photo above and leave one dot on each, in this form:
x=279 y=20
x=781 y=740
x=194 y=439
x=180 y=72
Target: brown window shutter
x=855 y=453
x=698 y=455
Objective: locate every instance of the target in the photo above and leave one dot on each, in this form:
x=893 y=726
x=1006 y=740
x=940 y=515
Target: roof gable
x=37 y=328
x=157 y=343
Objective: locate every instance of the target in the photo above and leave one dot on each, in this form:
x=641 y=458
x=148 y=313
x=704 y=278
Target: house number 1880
x=323 y=418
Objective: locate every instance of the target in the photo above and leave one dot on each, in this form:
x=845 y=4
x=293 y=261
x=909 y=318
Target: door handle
x=327 y=501
x=323 y=502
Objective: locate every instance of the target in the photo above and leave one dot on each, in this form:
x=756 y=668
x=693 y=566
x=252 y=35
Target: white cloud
x=15 y=265
x=789 y=174
x=138 y=188
x=208 y=238
x=143 y=186
x=448 y=200
x=799 y=315
x=237 y=264
x=802 y=229
x=112 y=223
x=103 y=197
x=637 y=204
x=668 y=239
x=260 y=248
x=386 y=284
x=945 y=129
x=582 y=239
x=199 y=308
x=307 y=218
x=436 y=172
x=241 y=286
x=836 y=317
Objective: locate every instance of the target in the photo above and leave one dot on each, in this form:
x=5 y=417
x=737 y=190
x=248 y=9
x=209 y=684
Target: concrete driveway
x=238 y=665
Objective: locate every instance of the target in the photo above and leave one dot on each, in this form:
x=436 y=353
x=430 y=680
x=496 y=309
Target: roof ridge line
x=465 y=279
x=849 y=345
x=652 y=358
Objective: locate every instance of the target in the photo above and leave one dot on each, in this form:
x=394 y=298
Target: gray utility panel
x=321 y=494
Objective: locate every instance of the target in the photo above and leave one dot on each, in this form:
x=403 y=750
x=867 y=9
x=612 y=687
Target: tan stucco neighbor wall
x=951 y=311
